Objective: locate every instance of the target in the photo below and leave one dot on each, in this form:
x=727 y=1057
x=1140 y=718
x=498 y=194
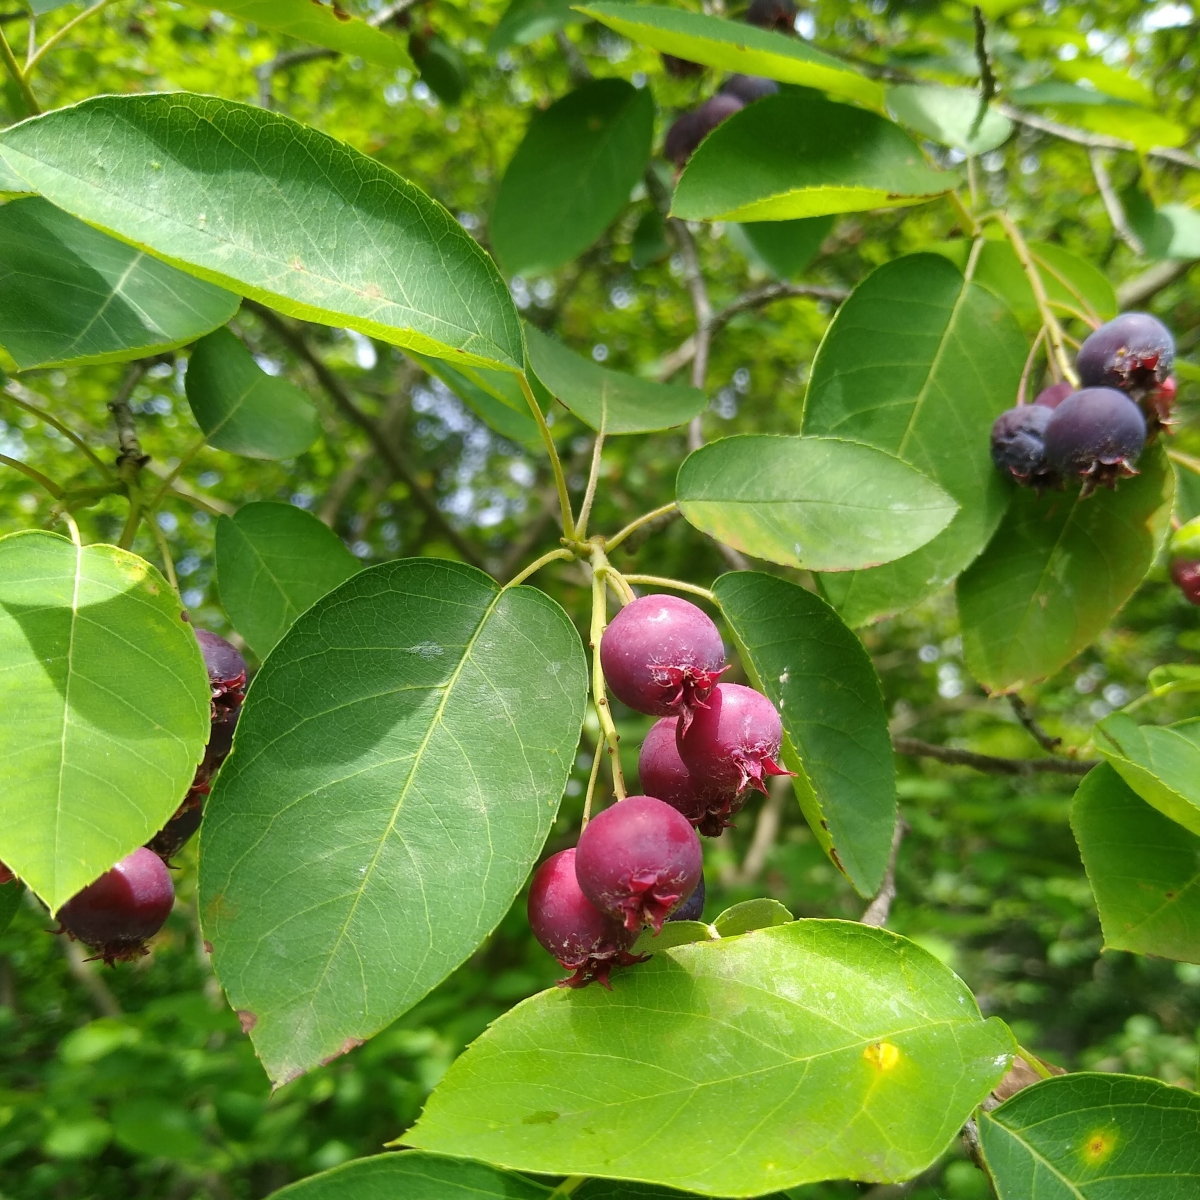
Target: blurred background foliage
x=136 y=1083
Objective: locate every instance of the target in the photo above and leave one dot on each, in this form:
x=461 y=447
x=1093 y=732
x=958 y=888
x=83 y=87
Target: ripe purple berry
x=120 y=910
x=735 y=740
x=748 y=88
x=638 y=861
x=226 y=669
x=1133 y=352
x=1186 y=574
x=574 y=930
x=662 y=656
x=691 y=128
x=779 y=15
x=1054 y=395
x=1095 y=435
x=664 y=775
x=1018 y=445
x=692 y=909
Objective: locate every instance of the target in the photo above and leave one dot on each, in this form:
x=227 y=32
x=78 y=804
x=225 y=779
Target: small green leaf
x=525 y=21
x=791 y=155
x=785 y=248
x=105 y=705
x=1057 y=571
x=491 y=395
x=252 y=200
x=442 y=68
x=949 y=115
x=572 y=175
x=817 y=503
x=674 y=933
x=736 y=46
x=1144 y=869
x=831 y=1050
x=242 y=409
x=399 y=761
x=1179 y=676
x=1094 y=1137
x=822 y=680
x=70 y=294
x=751 y=914
x=610 y=400
x=1160 y=762
x=275 y=561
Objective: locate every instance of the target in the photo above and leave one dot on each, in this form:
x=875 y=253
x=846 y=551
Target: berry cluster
x=1094 y=434
x=640 y=862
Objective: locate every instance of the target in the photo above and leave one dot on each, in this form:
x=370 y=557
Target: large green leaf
x=919 y=363
x=1095 y=1137
x=811 y=502
x=525 y=21
x=1056 y=572
x=793 y=155
x=273 y=209
x=275 y=561
x=610 y=400
x=1144 y=869
x=1161 y=763
x=949 y=115
x=398 y=764
x=70 y=294
x=736 y=46
x=829 y=1050
x=241 y=408
x=104 y=708
x=818 y=675
x=572 y=175
x=327 y=25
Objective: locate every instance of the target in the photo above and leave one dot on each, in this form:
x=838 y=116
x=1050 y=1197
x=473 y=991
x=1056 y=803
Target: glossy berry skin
x=569 y=926
x=779 y=15
x=125 y=906
x=1133 y=352
x=1095 y=435
x=691 y=128
x=662 y=656
x=692 y=909
x=748 y=88
x=1018 y=445
x=664 y=775
x=638 y=861
x=1054 y=395
x=735 y=740
x=1186 y=574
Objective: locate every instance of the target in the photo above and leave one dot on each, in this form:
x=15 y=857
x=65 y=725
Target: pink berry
x=735 y=740
x=665 y=776
x=1054 y=395
x=125 y=906
x=662 y=656
x=1186 y=574
x=571 y=928
x=638 y=861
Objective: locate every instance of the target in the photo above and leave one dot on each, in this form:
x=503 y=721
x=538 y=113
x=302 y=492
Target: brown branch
x=1112 y=203
x=130 y=458
x=766 y=830
x=693 y=278
x=987 y=81
x=915 y=748
x=1021 y=710
x=85 y=974
x=877 y=911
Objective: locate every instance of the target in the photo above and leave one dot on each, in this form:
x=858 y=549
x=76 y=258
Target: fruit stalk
x=599 y=623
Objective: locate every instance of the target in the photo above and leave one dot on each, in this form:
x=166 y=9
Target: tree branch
x=693 y=278
x=1112 y=203
x=1133 y=293
x=877 y=911
x=1021 y=710
x=915 y=748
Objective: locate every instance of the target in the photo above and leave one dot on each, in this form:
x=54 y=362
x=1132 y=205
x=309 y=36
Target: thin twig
x=987 y=81
x=33 y=474
x=915 y=748
x=13 y=390
x=675 y=585
x=877 y=911
x=1112 y=203
x=14 y=69
x=693 y=278
x=1021 y=710
x=58 y=35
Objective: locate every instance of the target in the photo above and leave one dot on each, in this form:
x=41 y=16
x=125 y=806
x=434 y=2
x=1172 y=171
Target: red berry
x=665 y=776
x=1095 y=434
x=1133 y=352
x=691 y=128
x=662 y=656
x=573 y=929
x=735 y=740
x=1018 y=446
x=1186 y=574
x=226 y=670
x=178 y=831
x=125 y=906
x=639 y=861
x=1054 y=395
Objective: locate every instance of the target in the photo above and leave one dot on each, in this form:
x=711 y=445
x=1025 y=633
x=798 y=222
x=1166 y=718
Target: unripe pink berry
x=1186 y=574
x=735 y=740
x=664 y=775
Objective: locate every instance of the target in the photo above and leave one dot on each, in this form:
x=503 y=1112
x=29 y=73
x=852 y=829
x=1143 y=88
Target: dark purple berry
x=6 y=875
x=1133 y=352
x=681 y=68
x=1055 y=394
x=692 y=909
x=572 y=928
x=1018 y=445
x=779 y=15
x=638 y=861
x=1095 y=435
x=748 y=88
x=226 y=670
x=1186 y=574
x=691 y=128
x=662 y=656
x=179 y=830
x=735 y=740
x=665 y=776
x=125 y=906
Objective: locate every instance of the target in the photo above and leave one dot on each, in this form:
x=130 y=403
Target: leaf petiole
x=653 y=515
x=676 y=585
x=14 y=69
x=35 y=475
x=560 y=482
x=538 y=564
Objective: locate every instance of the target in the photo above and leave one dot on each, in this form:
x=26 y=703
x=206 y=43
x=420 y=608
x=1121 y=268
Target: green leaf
x=70 y=294
x=275 y=561
x=1172 y=231
x=398 y=763
x=257 y=202
x=674 y=933
x=817 y=503
x=606 y=399
x=736 y=46
x=327 y=25
x=1094 y=1137
x=571 y=175
x=649 y=243
x=948 y=115
x=525 y=21
x=1144 y=869
x=442 y=68
x=830 y=1050
x=822 y=680
x=1056 y=92
x=11 y=894
x=1056 y=572
x=1161 y=763
x=1177 y=676
x=242 y=409
x=105 y=704
x=794 y=155
x=763 y=913
x=487 y=394
x=785 y=248
x=1146 y=130
x=919 y=363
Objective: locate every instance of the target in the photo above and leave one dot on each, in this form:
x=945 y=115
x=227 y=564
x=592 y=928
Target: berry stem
x=599 y=623
x=676 y=585
x=568 y=1185
x=538 y=564
x=560 y=482
x=1029 y=361
x=645 y=519
x=589 y=494
x=160 y=540
x=591 y=787
x=34 y=474
x=1185 y=460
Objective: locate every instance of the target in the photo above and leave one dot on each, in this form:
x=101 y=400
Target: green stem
x=589 y=494
x=620 y=587
x=37 y=476
x=14 y=69
x=591 y=787
x=1185 y=460
x=1035 y=1063
x=676 y=585
x=167 y=482
x=1029 y=361
x=164 y=550
x=970 y=225
x=645 y=519
x=560 y=482
x=599 y=624
x=568 y=1185
x=134 y=519
x=538 y=564
x=65 y=430
x=58 y=35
